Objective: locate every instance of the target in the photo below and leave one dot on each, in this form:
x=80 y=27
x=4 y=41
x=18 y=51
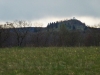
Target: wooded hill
x=72 y=24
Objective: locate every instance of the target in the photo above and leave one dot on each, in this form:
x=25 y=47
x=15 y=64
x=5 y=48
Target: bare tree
x=4 y=34
x=38 y=34
x=21 y=29
x=63 y=35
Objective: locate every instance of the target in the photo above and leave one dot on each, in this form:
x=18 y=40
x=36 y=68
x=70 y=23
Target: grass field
x=50 y=61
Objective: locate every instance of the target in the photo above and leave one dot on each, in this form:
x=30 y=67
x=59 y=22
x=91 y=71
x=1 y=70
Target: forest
x=67 y=33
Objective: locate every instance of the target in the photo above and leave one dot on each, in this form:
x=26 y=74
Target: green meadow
x=50 y=61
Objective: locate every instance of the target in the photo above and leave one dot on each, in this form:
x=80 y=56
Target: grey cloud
x=34 y=9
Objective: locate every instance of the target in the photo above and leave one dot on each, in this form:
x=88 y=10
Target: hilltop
x=72 y=24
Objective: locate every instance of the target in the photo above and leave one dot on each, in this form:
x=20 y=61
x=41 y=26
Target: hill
x=72 y=24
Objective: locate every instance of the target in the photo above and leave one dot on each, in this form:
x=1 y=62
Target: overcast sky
x=44 y=11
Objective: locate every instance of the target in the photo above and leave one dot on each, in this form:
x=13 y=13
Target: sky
x=42 y=12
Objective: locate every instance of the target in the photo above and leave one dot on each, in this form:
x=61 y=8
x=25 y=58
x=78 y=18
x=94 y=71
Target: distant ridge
x=72 y=24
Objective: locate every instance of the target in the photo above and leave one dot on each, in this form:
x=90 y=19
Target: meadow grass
x=50 y=61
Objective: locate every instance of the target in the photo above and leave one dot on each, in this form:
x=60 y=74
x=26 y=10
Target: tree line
x=19 y=33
